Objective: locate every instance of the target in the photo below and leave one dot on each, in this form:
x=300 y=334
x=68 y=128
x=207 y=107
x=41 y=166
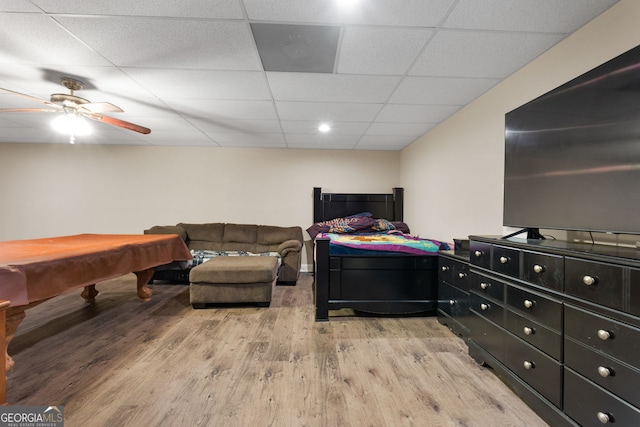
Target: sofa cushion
x=240 y=233
x=167 y=229
x=208 y=232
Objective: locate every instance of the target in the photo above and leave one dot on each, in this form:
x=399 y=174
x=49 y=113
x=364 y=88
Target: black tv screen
x=572 y=156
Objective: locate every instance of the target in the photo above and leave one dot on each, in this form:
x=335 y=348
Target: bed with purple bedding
x=366 y=259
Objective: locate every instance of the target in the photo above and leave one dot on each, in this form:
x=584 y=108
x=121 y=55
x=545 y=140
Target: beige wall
x=453 y=176
x=60 y=189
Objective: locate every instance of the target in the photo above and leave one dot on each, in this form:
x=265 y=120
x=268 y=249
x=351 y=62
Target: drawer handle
x=445 y=268
x=504 y=260
x=604 y=372
x=529 y=331
x=528 y=303
x=452 y=302
x=538 y=268
x=589 y=280
x=604 y=418
x=604 y=335
x=462 y=275
x=484 y=307
x=485 y=285
x=528 y=365
x=478 y=254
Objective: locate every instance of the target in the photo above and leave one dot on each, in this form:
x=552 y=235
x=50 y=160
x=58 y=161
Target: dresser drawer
x=617 y=377
x=536 y=306
x=453 y=301
x=592 y=406
x=536 y=334
x=487 y=308
x=488 y=287
x=596 y=282
x=454 y=272
x=487 y=335
x=634 y=291
x=534 y=367
x=506 y=261
x=609 y=336
x=480 y=254
x=543 y=270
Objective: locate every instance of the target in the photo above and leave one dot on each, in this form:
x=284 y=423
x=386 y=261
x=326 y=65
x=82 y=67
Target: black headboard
x=328 y=206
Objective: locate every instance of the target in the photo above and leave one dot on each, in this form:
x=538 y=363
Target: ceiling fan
x=74 y=106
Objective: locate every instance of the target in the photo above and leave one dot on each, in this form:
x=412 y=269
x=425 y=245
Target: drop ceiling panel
x=399 y=129
x=191 y=71
x=403 y=113
x=47 y=43
x=375 y=50
x=223 y=9
x=480 y=54
x=419 y=13
x=202 y=84
x=331 y=87
x=337 y=128
x=224 y=109
x=168 y=43
x=440 y=90
x=327 y=111
x=545 y=16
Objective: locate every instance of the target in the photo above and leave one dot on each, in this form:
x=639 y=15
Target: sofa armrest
x=168 y=229
x=289 y=246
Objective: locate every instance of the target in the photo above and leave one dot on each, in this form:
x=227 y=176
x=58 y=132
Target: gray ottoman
x=233 y=279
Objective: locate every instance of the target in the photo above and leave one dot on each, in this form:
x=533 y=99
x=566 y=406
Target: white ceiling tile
x=399 y=129
x=404 y=113
x=324 y=141
x=223 y=9
x=440 y=90
x=47 y=43
x=18 y=6
x=559 y=16
x=265 y=140
x=480 y=53
x=164 y=43
x=419 y=13
x=327 y=111
x=374 y=50
x=190 y=70
x=216 y=125
x=331 y=87
x=202 y=84
x=224 y=109
x=385 y=140
x=337 y=128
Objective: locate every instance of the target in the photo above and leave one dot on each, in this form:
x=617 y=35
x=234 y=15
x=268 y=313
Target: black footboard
x=380 y=284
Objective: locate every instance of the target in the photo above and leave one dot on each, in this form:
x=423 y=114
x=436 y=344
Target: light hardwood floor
x=120 y=362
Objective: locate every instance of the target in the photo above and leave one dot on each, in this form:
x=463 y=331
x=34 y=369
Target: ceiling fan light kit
x=74 y=111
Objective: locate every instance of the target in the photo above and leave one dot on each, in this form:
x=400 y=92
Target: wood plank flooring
x=120 y=362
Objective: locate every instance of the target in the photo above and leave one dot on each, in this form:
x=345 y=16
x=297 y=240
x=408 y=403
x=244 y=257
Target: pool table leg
x=143 y=277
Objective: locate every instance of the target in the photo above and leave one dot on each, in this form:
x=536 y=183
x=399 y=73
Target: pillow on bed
x=383 y=225
x=342 y=225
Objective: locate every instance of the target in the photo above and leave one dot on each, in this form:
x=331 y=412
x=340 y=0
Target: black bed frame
x=380 y=284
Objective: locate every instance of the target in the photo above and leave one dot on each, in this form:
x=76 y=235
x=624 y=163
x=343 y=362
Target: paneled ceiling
x=381 y=73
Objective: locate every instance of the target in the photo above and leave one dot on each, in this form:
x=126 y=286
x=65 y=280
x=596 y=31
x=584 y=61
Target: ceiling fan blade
x=24 y=95
x=101 y=107
x=30 y=110
x=119 y=123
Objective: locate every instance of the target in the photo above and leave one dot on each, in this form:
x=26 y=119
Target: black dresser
x=559 y=322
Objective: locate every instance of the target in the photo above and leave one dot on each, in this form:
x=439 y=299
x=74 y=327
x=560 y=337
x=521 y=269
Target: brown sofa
x=287 y=241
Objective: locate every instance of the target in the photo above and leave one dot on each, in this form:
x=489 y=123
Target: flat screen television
x=572 y=155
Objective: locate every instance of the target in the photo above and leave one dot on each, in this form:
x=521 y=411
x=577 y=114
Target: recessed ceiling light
x=347 y=4
x=324 y=128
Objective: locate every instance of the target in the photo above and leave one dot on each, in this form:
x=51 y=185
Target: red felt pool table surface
x=38 y=269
